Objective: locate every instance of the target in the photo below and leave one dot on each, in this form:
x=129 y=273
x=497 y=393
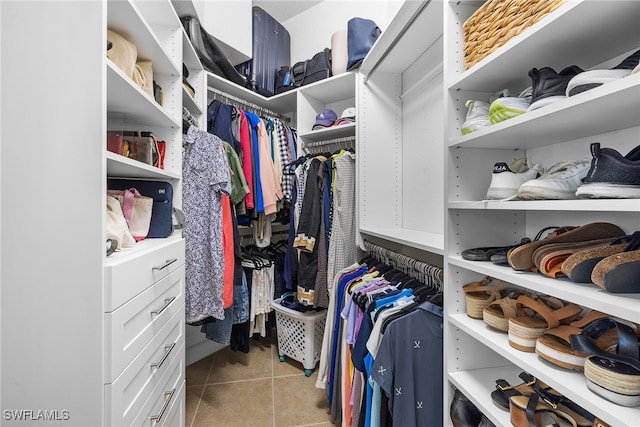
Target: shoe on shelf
x=477 y=116
x=579 y=266
x=560 y=182
x=611 y=176
x=508 y=107
x=549 y=86
x=506 y=179
x=620 y=273
x=594 y=78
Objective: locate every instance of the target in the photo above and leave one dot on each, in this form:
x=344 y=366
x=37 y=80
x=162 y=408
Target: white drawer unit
x=130 y=328
x=162 y=402
x=128 y=274
x=129 y=392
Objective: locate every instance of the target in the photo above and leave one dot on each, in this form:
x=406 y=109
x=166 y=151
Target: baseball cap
x=325 y=119
x=348 y=116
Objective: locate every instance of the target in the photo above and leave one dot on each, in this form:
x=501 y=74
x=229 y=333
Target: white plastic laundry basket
x=299 y=334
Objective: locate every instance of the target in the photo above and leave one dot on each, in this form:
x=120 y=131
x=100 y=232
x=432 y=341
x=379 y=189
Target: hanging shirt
x=271 y=190
x=220 y=122
x=205 y=174
x=239 y=187
x=255 y=150
x=245 y=144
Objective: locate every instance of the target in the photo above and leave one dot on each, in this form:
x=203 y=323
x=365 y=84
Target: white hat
x=348 y=116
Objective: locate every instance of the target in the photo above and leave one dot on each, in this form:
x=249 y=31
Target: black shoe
x=612 y=176
x=594 y=78
x=549 y=86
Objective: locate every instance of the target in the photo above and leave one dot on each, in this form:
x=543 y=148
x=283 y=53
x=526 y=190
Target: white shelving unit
x=601 y=34
x=400 y=131
x=92 y=340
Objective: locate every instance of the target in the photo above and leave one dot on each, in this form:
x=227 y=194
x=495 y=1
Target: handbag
x=361 y=35
x=122 y=52
x=136 y=210
x=143 y=76
x=162 y=195
x=117 y=228
x=137 y=145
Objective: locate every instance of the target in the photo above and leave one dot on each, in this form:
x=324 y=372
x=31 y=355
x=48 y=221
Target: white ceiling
x=282 y=10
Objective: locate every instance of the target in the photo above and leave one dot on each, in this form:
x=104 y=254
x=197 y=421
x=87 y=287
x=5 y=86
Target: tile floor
x=255 y=389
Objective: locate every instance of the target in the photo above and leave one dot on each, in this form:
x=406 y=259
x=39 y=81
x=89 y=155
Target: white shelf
x=569 y=383
x=571 y=34
x=124 y=18
x=425 y=241
x=576 y=117
x=341 y=131
x=415 y=24
x=332 y=88
x=587 y=205
x=625 y=306
x=281 y=104
x=142 y=247
x=190 y=103
x=189 y=56
x=124 y=96
x=120 y=166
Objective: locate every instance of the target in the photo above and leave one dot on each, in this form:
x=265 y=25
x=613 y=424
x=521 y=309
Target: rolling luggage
x=271 y=50
x=162 y=195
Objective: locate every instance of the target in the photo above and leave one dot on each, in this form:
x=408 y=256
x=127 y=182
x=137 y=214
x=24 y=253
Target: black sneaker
x=549 y=86
x=594 y=78
x=612 y=176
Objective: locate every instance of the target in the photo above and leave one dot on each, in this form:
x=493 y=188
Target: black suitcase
x=211 y=56
x=271 y=50
x=162 y=194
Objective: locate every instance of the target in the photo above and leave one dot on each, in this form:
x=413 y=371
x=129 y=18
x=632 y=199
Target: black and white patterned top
x=205 y=177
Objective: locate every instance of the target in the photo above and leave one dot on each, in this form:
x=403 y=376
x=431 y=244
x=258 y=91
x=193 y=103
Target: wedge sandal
x=479 y=294
x=521 y=258
x=620 y=273
x=548 y=312
x=615 y=376
x=579 y=266
x=555 y=344
x=497 y=314
x=548 y=259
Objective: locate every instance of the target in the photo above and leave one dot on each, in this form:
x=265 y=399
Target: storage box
x=497 y=21
x=299 y=335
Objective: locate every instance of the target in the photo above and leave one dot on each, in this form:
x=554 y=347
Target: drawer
x=176 y=411
x=131 y=327
x=127 y=395
x=128 y=273
x=161 y=405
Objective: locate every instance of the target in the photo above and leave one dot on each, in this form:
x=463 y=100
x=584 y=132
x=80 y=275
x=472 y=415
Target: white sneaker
x=506 y=180
x=508 y=107
x=477 y=116
x=559 y=183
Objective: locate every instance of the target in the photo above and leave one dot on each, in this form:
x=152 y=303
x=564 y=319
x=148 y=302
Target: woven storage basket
x=497 y=21
x=299 y=334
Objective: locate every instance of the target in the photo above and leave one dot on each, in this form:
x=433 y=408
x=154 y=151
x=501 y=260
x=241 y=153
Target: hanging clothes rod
x=428 y=274
x=230 y=99
x=316 y=144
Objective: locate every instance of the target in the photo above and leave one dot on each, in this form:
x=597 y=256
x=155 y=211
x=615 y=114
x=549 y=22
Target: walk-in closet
x=269 y=213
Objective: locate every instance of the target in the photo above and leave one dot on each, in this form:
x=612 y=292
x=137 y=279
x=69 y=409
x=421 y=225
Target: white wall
x=311 y=30
x=229 y=21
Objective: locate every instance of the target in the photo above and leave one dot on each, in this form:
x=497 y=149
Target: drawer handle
x=166 y=304
x=167 y=349
x=166 y=264
x=167 y=395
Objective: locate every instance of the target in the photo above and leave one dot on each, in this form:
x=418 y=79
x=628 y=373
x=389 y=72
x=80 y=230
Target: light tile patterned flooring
x=255 y=389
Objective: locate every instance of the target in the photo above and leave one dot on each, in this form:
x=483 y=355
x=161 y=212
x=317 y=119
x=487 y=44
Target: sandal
x=521 y=258
x=548 y=259
x=555 y=344
x=534 y=410
x=548 y=312
x=479 y=294
x=613 y=375
x=486 y=254
x=497 y=314
x=579 y=266
x=500 y=396
x=620 y=273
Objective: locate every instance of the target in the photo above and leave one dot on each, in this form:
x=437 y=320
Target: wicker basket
x=496 y=21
